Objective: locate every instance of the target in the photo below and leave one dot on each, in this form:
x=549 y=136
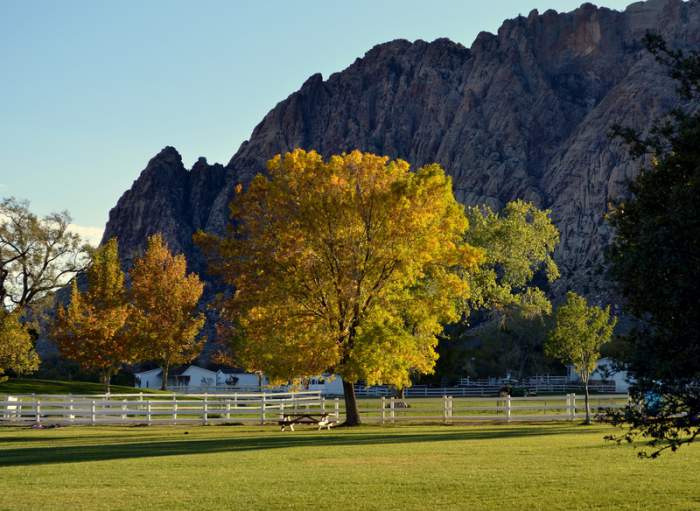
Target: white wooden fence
x=266 y=408
x=477 y=390
x=256 y=408
x=453 y=410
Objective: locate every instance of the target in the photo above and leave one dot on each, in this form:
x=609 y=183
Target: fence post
x=568 y=406
x=140 y=396
x=262 y=410
x=508 y=408
x=37 y=411
x=444 y=409
x=392 y=409
x=174 y=411
x=148 y=412
x=93 y=412
x=382 y=403
x=228 y=409
x=451 y=408
x=124 y=409
x=205 y=410
x=573 y=406
x=71 y=416
x=336 y=407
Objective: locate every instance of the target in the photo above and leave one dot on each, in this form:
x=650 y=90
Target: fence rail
x=260 y=408
x=506 y=409
x=257 y=408
x=478 y=390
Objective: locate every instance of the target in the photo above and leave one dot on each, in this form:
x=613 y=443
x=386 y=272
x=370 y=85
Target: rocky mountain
x=522 y=113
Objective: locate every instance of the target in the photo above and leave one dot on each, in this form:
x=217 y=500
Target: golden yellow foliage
x=349 y=265
x=164 y=321
x=89 y=329
x=17 y=352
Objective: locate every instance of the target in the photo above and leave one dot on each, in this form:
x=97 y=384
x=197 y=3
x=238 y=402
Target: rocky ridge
x=524 y=113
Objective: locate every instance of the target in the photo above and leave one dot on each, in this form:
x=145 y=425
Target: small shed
x=150 y=379
x=239 y=379
x=604 y=371
x=327 y=384
x=186 y=378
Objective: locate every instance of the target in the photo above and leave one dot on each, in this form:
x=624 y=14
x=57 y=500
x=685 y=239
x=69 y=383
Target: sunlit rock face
x=524 y=113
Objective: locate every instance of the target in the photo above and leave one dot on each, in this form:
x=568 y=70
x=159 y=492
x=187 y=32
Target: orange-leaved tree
x=90 y=329
x=348 y=265
x=164 y=296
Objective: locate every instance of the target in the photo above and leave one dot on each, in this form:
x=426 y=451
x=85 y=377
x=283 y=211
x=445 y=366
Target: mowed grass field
x=553 y=466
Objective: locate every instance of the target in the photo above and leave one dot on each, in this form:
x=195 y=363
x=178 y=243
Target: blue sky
x=91 y=90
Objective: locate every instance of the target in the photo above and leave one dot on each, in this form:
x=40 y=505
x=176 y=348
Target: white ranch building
x=194 y=379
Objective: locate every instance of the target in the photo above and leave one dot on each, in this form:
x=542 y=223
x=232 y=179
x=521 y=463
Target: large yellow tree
x=164 y=318
x=348 y=265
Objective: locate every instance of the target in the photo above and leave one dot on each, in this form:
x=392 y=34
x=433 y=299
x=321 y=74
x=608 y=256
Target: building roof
x=192 y=366
x=154 y=372
x=175 y=371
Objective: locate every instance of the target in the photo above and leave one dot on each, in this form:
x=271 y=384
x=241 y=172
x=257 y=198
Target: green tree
x=519 y=244
x=578 y=334
x=349 y=265
x=514 y=342
x=164 y=320
x=90 y=329
x=655 y=263
x=37 y=255
x=16 y=347
x=508 y=307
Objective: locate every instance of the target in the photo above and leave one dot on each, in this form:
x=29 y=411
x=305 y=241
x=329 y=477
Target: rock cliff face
x=523 y=113
x=169 y=199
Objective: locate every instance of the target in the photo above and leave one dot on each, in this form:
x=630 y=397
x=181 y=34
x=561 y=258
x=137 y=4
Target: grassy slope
x=559 y=466
x=31 y=386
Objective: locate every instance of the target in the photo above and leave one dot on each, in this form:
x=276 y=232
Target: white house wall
x=203 y=380
x=331 y=386
x=200 y=377
x=148 y=379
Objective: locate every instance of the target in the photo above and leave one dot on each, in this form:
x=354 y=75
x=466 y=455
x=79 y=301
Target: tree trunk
x=106 y=377
x=164 y=376
x=352 y=414
x=588 y=404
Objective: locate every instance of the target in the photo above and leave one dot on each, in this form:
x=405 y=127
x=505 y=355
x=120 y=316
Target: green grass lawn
x=553 y=466
x=32 y=386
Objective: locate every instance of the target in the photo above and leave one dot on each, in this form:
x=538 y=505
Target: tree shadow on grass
x=140 y=449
